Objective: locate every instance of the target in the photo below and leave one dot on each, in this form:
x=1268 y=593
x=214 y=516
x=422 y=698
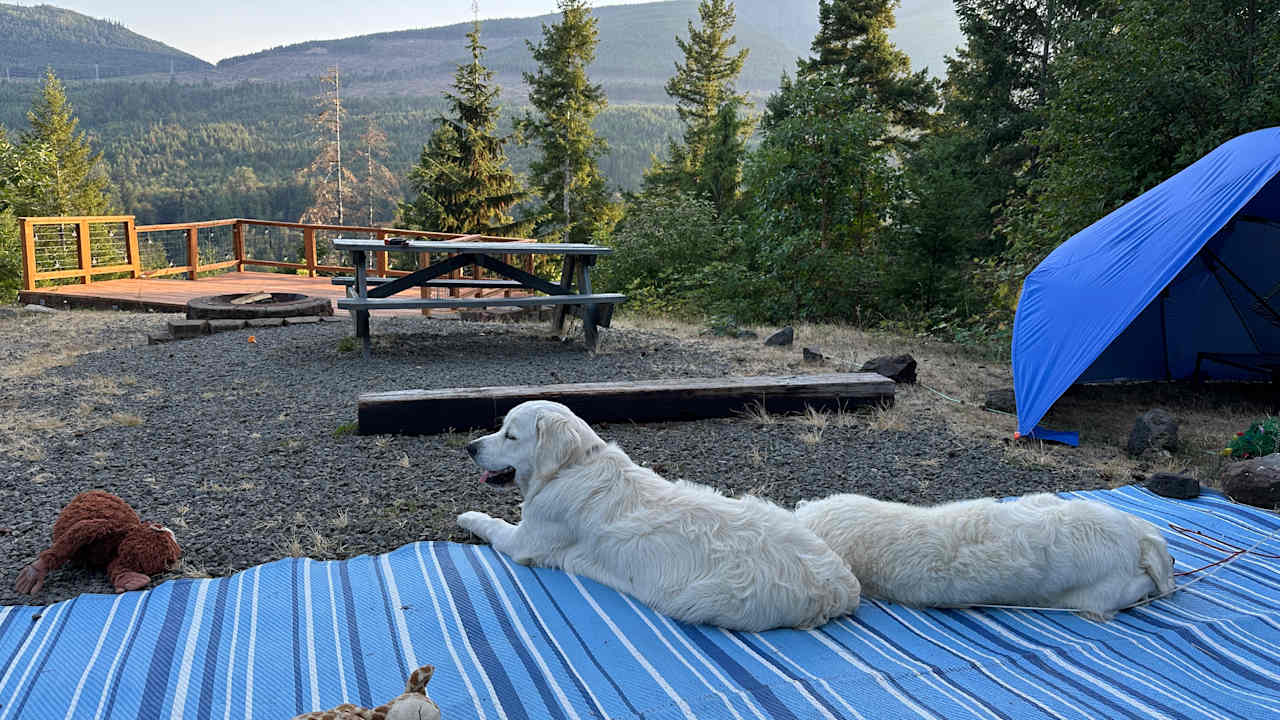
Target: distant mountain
x=634 y=59
x=80 y=47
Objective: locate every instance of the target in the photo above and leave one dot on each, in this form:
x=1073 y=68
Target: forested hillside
x=80 y=47
x=182 y=152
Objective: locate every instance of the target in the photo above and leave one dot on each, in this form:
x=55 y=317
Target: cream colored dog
x=683 y=549
x=1039 y=551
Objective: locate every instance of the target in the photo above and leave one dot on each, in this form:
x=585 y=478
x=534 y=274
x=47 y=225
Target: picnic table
x=572 y=294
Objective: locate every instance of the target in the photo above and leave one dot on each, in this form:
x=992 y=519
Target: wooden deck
x=170 y=295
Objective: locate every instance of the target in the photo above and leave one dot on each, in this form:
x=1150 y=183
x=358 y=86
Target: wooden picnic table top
x=497 y=248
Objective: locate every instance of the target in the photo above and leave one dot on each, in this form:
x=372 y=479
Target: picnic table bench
x=572 y=293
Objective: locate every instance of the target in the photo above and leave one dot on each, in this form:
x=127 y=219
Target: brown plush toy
x=99 y=529
x=412 y=705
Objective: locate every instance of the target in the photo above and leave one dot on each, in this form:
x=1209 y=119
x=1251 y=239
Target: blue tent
x=1184 y=278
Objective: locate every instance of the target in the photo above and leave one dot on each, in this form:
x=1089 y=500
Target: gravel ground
x=245 y=449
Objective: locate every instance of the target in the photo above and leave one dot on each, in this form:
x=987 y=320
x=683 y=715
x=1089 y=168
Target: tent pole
x=1260 y=300
x=1213 y=270
x=1164 y=334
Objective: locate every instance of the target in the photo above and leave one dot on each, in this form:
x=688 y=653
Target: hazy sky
x=216 y=30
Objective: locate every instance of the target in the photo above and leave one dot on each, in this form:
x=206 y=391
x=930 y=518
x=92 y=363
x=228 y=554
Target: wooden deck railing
x=77 y=253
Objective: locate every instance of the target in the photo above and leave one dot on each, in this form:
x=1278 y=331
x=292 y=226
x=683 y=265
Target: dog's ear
x=558 y=444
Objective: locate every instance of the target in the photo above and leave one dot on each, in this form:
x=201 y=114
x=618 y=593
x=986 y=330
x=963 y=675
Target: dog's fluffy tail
x=1155 y=560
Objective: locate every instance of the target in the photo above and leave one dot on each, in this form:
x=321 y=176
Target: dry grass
x=952 y=386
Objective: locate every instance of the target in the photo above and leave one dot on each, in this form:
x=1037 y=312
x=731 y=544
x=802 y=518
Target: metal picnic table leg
x=362 y=292
x=566 y=282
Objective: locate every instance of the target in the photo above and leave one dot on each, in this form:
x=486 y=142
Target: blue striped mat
x=511 y=642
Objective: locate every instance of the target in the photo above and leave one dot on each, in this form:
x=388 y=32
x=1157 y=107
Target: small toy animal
x=412 y=705
x=99 y=529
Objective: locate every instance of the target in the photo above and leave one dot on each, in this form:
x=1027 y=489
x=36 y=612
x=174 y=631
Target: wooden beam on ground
x=423 y=412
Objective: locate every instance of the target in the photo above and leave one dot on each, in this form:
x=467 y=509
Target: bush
x=665 y=251
x=10 y=262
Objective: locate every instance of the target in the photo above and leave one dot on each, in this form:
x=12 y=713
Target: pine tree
x=703 y=91
x=332 y=184
x=59 y=171
x=705 y=81
x=463 y=182
x=566 y=173
x=853 y=37
x=380 y=184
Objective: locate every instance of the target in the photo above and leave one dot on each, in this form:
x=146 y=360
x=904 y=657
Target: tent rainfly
x=1182 y=281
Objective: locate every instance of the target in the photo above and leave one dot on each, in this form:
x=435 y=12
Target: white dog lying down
x=683 y=549
x=1039 y=551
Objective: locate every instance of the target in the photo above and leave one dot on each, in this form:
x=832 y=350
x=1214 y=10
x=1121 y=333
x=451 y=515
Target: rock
x=1173 y=485
x=159 y=338
x=1001 y=399
x=38 y=309
x=302 y=320
x=8 y=312
x=813 y=356
x=187 y=328
x=265 y=322
x=1156 y=430
x=1256 y=481
x=785 y=336
x=898 y=368
x=221 y=325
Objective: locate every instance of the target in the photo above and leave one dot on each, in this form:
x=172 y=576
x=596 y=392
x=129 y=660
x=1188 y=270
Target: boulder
x=783 y=337
x=898 y=368
x=813 y=356
x=1255 y=482
x=38 y=309
x=1173 y=485
x=1001 y=399
x=1154 y=429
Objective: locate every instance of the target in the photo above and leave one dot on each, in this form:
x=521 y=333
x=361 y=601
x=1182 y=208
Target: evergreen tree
x=705 y=81
x=703 y=91
x=853 y=37
x=567 y=173
x=463 y=183
x=333 y=185
x=721 y=171
x=54 y=171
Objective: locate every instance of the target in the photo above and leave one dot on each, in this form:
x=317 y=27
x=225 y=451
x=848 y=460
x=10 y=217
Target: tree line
x=860 y=192
x=876 y=195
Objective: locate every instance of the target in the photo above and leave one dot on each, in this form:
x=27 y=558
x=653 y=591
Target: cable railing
x=57 y=250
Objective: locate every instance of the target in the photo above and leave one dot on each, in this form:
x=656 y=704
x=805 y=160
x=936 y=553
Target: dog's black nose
x=472 y=448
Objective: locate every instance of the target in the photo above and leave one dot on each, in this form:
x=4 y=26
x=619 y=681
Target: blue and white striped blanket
x=513 y=642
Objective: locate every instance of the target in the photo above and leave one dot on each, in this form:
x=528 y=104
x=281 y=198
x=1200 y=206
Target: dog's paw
x=472 y=521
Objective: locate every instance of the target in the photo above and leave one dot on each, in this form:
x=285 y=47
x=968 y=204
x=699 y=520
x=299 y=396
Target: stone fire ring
x=281 y=305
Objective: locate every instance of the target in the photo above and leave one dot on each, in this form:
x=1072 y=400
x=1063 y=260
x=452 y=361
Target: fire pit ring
x=281 y=305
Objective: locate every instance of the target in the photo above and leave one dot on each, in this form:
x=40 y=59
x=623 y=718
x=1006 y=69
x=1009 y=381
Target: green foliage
x=463 y=182
x=942 y=225
x=1142 y=96
x=853 y=39
x=10 y=260
x=1262 y=438
x=566 y=174
x=816 y=195
x=709 y=160
x=57 y=172
x=663 y=250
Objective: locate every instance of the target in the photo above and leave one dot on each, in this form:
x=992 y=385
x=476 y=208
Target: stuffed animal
x=412 y=705
x=99 y=529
